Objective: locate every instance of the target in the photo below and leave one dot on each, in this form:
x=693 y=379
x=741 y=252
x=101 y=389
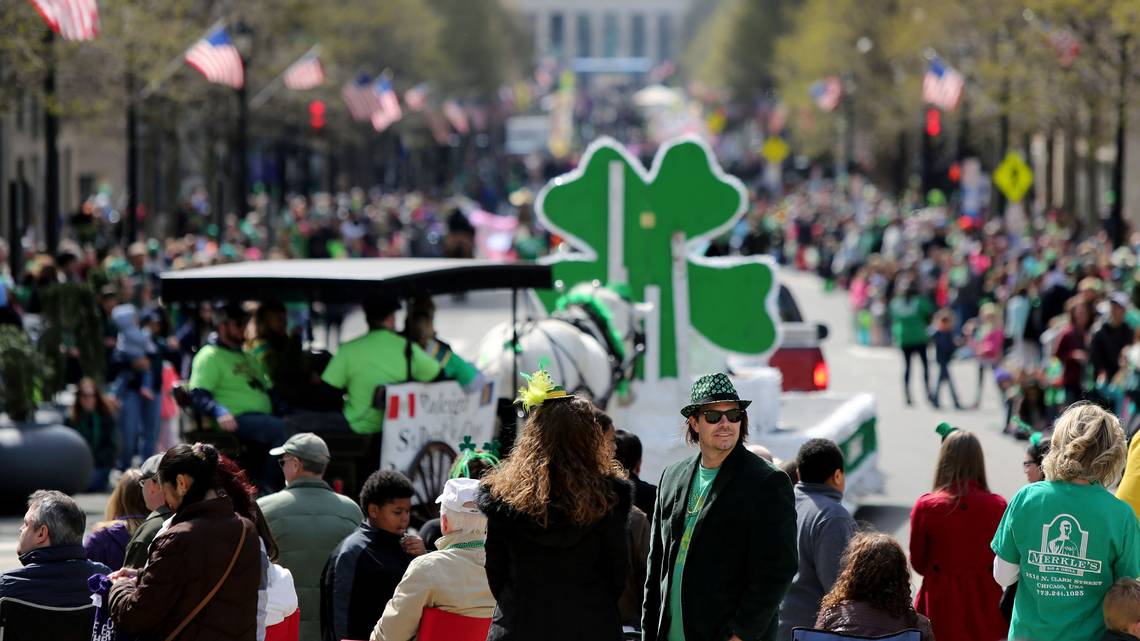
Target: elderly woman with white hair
x=452 y=579
x=1067 y=539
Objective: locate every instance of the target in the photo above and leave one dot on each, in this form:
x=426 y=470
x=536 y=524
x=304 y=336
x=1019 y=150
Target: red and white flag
x=416 y=97
x=218 y=59
x=942 y=85
x=827 y=93
x=306 y=73
x=360 y=99
x=72 y=19
x=456 y=116
x=389 y=112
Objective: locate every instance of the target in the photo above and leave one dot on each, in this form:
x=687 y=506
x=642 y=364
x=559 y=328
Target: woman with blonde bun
x=1067 y=539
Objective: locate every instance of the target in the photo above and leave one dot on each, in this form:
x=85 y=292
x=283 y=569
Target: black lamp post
x=1116 y=214
x=51 y=151
x=243 y=40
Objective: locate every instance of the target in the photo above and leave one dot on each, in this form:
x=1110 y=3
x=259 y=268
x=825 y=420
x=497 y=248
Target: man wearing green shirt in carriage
x=380 y=357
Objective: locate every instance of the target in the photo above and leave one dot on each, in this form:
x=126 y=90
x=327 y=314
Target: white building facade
x=568 y=29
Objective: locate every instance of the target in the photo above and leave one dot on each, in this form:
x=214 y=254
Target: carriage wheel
x=429 y=472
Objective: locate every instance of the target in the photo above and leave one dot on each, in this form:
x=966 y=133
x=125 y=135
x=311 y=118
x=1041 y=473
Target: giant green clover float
x=624 y=224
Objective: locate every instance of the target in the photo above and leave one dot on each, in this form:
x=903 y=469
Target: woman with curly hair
x=557 y=546
x=1066 y=539
x=950 y=532
x=871 y=597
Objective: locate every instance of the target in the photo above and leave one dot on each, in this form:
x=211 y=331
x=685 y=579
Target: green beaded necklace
x=470 y=545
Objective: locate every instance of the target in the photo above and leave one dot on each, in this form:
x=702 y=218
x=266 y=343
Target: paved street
x=908 y=444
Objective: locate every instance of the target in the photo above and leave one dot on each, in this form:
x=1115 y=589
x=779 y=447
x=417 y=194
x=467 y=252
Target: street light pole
x=1116 y=215
x=849 y=115
x=243 y=40
x=130 y=218
x=51 y=151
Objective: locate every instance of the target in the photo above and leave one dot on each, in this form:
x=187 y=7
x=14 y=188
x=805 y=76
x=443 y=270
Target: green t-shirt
x=234 y=378
x=1072 y=542
x=698 y=496
x=375 y=359
x=909 y=320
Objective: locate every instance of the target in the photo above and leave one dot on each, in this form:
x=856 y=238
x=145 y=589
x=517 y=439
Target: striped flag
x=827 y=93
x=1066 y=44
x=456 y=116
x=416 y=97
x=72 y=19
x=942 y=85
x=218 y=59
x=389 y=112
x=360 y=99
x=306 y=73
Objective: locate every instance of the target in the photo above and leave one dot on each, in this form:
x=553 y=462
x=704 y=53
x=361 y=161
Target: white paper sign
x=417 y=414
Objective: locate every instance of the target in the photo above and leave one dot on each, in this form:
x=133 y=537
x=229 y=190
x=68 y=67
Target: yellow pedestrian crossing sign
x=1013 y=177
x=775 y=150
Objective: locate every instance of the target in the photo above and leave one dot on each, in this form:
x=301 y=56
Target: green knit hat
x=712 y=388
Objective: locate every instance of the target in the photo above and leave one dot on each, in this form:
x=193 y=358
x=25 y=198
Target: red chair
x=288 y=629
x=437 y=625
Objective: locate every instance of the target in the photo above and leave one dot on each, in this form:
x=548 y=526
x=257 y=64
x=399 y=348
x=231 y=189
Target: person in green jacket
x=911 y=312
x=138 y=548
x=380 y=357
x=308 y=520
x=722 y=548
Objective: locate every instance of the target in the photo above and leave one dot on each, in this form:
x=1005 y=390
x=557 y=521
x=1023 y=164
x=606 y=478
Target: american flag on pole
x=456 y=116
x=827 y=93
x=416 y=97
x=942 y=85
x=306 y=73
x=1066 y=44
x=389 y=112
x=72 y=19
x=218 y=59
x=360 y=99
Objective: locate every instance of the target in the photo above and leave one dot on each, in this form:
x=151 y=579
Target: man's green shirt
x=361 y=365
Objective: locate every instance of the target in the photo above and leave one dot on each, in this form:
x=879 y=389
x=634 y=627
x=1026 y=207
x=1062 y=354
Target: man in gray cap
x=308 y=519
x=138 y=548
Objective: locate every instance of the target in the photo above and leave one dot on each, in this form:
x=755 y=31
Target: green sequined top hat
x=712 y=388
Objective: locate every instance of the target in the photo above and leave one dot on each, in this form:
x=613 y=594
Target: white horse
x=590 y=345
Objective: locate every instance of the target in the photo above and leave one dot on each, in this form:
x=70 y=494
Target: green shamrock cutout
x=467 y=444
x=626 y=225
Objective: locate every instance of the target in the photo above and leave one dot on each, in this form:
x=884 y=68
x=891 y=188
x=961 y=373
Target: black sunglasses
x=712 y=417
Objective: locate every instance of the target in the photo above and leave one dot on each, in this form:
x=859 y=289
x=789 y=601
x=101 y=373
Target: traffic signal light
x=317 y=115
x=933 y=122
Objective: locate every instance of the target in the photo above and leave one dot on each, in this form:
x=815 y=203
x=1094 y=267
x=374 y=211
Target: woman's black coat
x=559 y=582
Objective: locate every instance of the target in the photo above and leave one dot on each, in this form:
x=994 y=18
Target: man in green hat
x=722 y=546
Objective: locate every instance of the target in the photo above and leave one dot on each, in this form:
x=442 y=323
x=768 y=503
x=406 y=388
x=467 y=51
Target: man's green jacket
x=308 y=520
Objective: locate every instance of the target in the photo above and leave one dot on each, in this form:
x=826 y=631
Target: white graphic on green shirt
x=1063 y=548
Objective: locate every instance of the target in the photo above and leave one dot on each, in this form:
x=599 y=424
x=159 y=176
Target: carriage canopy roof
x=348 y=280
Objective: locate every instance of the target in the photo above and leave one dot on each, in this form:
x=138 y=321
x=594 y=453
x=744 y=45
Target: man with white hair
x=452 y=579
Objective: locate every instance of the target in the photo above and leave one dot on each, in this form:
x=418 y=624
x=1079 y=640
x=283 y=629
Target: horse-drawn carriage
x=424 y=422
